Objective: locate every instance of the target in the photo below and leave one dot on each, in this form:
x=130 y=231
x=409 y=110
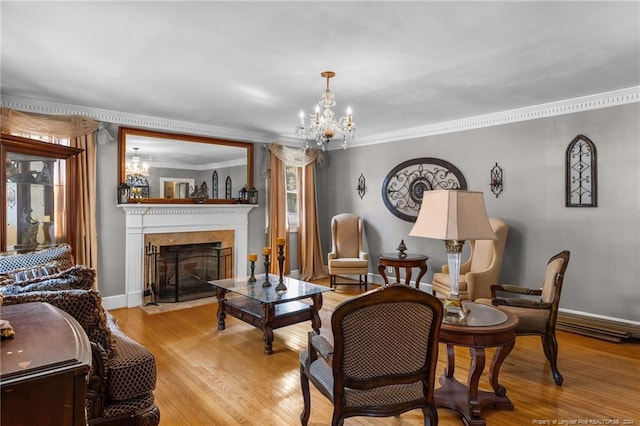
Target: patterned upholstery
x=384 y=357
x=85 y=306
x=132 y=370
x=537 y=316
x=61 y=254
x=79 y=277
x=123 y=373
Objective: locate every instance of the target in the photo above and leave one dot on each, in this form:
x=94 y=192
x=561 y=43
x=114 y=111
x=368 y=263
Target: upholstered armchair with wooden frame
x=383 y=359
x=347 y=256
x=481 y=270
x=537 y=317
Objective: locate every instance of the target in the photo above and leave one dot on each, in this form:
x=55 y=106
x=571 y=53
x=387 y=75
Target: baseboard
x=609 y=329
x=114 y=302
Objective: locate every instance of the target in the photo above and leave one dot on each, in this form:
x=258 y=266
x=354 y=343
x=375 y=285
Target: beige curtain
x=310 y=254
x=80 y=132
x=277 y=212
x=311 y=263
x=86 y=243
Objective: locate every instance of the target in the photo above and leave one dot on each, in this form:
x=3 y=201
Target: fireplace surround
x=180 y=219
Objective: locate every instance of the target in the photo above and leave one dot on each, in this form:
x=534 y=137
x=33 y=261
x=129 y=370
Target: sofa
x=123 y=373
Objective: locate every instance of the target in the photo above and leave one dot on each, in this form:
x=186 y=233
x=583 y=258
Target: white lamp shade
x=453 y=215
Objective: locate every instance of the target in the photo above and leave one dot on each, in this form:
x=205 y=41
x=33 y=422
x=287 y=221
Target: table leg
x=451 y=361
x=407 y=277
x=423 y=270
x=496 y=363
x=268 y=315
x=220 y=295
x=382 y=273
x=397 y=271
x=475 y=372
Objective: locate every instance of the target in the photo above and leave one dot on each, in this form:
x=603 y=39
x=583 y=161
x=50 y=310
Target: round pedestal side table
x=411 y=260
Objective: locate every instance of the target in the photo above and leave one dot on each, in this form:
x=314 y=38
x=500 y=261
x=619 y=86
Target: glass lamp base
x=453 y=307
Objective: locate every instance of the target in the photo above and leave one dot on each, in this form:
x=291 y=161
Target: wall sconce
x=496 y=180
x=361 y=186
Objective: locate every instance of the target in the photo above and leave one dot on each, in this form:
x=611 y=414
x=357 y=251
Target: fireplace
x=182 y=272
x=175 y=224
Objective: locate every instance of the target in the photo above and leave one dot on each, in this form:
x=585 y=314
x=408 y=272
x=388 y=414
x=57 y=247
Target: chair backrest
x=346 y=235
x=386 y=337
x=487 y=254
x=554 y=277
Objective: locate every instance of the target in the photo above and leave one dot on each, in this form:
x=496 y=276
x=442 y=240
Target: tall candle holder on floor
x=281 y=288
x=267 y=253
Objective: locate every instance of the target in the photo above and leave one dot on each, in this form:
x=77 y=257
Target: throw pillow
x=77 y=277
x=62 y=254
x=33 y=272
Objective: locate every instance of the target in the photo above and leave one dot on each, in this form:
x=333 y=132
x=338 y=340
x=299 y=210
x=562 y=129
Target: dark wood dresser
x=43 y=368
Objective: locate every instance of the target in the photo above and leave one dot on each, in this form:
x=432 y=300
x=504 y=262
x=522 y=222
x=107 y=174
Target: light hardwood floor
x=212 y=377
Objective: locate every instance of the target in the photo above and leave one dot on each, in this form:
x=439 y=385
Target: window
x=291 y=188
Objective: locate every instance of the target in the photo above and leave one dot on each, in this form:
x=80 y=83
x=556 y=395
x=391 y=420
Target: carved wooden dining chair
x=539 y=316
x=383 y=359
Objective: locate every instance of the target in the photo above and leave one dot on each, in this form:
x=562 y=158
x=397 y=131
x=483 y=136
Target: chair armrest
x=363 y=255
x=511 y=288
x=332 y=255
x=445 y=269
x=97 y=383
x=520 y=303
x=318 y=345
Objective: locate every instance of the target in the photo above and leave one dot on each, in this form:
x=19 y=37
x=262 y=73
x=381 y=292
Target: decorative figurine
x=401 y=250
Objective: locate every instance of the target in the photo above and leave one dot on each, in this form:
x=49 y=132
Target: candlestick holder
x=267 y=263
x=281 y=288
x=252 y=266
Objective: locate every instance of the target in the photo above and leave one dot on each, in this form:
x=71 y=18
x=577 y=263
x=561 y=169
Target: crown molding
x=552 y=109
x=132 y=120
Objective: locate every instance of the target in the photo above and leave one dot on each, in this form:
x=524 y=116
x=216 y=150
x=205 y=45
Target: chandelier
x=322 y=123
x=135 y=167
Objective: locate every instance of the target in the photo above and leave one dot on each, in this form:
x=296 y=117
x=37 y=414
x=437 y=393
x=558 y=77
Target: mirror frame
x=123 y=132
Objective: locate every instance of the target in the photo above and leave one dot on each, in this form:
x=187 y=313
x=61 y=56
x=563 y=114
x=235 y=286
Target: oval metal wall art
x=405 y=184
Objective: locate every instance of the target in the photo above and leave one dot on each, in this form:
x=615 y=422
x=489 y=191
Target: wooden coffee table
x=266 y=309
x=484 y=327
x=411 y=260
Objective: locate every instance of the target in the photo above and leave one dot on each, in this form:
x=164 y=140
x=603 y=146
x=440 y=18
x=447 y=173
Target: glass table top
x=480 y=316
x=296 y=289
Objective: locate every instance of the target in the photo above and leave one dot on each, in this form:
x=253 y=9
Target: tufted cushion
x=132 y=370
x=83 y=305
x=62 y=254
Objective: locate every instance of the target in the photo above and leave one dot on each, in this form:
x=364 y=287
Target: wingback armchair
x=347 y=256
x=481 y=270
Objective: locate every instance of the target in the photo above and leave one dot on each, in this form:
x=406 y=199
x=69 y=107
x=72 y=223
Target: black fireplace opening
x=181 y=272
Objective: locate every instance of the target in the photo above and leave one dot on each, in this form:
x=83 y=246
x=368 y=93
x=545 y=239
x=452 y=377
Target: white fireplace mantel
x=144 y=219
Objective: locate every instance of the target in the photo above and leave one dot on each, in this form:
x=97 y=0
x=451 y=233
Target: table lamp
x=453 y=216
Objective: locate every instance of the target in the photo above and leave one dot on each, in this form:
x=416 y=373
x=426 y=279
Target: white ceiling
x=252 y=66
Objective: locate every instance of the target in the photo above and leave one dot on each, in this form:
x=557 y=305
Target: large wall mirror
x=170 y=168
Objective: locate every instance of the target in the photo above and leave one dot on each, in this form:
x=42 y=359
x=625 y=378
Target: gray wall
x=603 y=275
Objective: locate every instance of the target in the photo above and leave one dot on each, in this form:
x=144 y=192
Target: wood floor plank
x=214 y=377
